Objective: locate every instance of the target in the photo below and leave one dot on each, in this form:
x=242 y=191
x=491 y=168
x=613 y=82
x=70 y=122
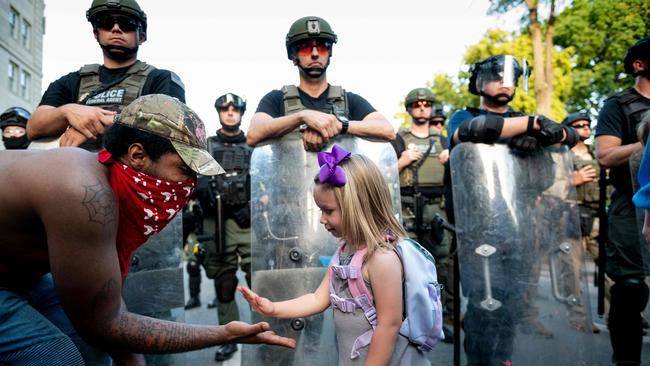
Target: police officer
x=13 y=123
x=616 y=141
x=323 y=111
x=231 y=201
x=422 y=153
x=490 y=334
x=79 y=105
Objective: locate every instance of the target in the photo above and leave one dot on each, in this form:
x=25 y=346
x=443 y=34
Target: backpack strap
x=361 y=296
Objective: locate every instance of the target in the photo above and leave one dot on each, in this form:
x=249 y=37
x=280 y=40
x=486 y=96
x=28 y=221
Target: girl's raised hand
x=259 y=304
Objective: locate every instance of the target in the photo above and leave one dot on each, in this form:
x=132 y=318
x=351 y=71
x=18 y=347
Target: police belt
x=434 y=194
x=409 y=199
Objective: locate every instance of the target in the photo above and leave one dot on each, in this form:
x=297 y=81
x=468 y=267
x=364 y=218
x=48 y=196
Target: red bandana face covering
x=146 y=205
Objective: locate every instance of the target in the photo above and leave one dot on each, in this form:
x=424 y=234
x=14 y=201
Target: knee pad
x=225 y=286
x=193 y=268
x=633 y=292
x=483 y=128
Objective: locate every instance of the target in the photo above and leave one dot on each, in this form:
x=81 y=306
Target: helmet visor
x=15 y=112
x=505 y=70
x=224 y=100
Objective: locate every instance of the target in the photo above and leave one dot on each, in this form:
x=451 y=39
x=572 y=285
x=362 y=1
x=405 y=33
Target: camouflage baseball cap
x=168 y=117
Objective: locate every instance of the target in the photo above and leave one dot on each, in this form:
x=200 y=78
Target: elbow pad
x=484 y=128
x=572 y=136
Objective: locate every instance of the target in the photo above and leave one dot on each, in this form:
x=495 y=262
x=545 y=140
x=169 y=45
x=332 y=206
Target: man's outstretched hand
x=240 y=332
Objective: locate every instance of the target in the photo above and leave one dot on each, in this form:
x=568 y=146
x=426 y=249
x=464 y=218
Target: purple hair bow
x=330 y=171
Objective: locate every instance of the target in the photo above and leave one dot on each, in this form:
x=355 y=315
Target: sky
x=384 y=49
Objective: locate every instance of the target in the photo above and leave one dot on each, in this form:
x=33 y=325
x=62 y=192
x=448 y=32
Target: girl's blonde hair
x=366 y=205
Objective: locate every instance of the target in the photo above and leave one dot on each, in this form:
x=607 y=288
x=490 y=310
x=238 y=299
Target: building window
x=25 y=33
x=12 y=74
x=25 y=80
x=14 y=16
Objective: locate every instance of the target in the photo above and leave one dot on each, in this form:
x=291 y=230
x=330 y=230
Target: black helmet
x=498 y=67
x=14 y=116
x=229 y=98
x=419 y=94
x=308 y=28
x=639 y=51
x=577 y=116
x=129 y=8
x=438 y=112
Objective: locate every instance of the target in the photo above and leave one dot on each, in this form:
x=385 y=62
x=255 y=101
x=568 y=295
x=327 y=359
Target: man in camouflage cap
x=64 y=209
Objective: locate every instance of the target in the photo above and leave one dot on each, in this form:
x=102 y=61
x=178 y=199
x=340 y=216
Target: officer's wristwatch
x=345 y=122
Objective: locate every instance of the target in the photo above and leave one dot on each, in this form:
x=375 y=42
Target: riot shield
x=154 y=286
x=518 y=232
x=290 y=248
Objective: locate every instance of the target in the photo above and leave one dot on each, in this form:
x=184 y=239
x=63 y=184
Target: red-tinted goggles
x=421 y=103
x=306 y=48
x=106 y=22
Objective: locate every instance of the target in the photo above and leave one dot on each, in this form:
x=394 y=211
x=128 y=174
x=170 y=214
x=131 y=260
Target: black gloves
x=523 y=143
x=550 y=132
x=572 y=136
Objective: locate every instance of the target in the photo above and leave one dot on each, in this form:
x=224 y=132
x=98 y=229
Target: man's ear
x=95 y=34
x=142 y=37
x=136 y=157
x=640 y=65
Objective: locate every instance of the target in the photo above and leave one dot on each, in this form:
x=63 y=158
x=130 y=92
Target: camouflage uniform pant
x=237 y=252
x=440 y=251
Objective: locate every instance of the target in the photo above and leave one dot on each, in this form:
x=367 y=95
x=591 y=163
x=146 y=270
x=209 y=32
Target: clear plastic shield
x=290 y=248
x=520 y=257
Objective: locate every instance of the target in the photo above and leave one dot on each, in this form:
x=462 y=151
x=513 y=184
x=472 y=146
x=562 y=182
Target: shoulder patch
x=177 y=80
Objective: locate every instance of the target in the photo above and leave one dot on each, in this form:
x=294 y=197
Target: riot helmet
x=577 y=116
x=13 y=123
x=438 y=115
x=308 y=28
x=236 y=101
x=639 y=51
x=419 y=97
x=419 y=94
x=503 y=68
x=127 y=13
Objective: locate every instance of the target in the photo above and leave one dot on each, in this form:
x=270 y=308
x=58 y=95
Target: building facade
x=21 y=53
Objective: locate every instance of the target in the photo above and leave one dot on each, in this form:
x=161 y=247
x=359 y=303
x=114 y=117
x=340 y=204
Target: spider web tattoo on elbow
x=100 y=204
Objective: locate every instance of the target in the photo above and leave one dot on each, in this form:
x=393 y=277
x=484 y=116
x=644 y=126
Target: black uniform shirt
x=612 y=122
x=66 y=89
x=273 y=104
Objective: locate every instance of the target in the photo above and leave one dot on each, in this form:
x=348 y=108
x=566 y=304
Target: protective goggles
x=421 y=103
x=437 y=122
x=306 y=48
x=581 y=125
x=15 y=112
x=106 y=22
x=223 y=101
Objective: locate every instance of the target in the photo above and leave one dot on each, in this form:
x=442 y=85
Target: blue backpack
x=422 y=324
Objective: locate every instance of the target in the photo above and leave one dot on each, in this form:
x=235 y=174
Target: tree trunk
x=540 y=84
x=549 y=70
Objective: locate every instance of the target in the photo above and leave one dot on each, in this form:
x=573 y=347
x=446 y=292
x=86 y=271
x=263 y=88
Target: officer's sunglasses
x=581 y=125
x=437 y=123
x=106 y=22
x=421 y=103
x=306 y=48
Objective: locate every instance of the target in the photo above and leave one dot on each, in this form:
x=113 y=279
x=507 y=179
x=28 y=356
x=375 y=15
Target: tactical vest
x=112 y=96
x=337 y=102
x=431 y=172
x=633 y=106
x=587 y=193
x=234 y=158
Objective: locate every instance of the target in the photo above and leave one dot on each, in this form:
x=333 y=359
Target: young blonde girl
x=356 y=207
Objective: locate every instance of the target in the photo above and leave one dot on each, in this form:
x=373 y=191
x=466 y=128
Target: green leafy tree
x=543 y=50
x=597 y=33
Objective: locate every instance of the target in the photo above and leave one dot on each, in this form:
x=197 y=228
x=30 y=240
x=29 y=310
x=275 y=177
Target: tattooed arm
x=80 y=218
